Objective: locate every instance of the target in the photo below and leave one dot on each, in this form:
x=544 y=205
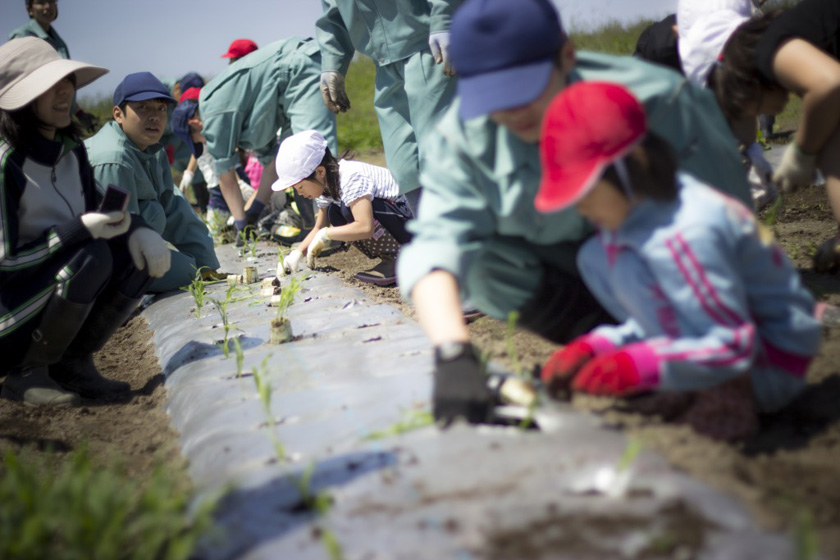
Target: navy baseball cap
x=191 y=80
x=181 y=126
x=141 y=86
x=504 y=52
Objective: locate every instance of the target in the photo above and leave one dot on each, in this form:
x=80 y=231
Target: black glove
x=460 y=385
x=827 y=257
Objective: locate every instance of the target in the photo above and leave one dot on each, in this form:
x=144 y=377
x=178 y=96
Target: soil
x=790 y=470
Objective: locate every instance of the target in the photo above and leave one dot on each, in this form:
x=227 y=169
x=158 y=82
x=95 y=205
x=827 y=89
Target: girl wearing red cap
x=709 y=305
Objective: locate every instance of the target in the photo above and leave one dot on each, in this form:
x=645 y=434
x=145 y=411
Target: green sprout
x=217 y=226
x=221 y=307
x=512 y=320
x=253 y=237
x=320 y=503
x=773 y=212
x=807 y=542
x=263 y=385
x=411 y=420
x=197 y=289
x=287 y=298
x=629 y=455
x=240 y=356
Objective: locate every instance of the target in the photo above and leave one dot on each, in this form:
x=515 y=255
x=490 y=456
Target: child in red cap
x=709 y=305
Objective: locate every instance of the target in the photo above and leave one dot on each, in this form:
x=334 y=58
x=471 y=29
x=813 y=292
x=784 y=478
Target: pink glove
x=561 y=367
x=633 y=369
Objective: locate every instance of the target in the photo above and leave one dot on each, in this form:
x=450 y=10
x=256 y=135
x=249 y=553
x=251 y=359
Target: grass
x=411 y=420
x=70 y=509
x=358 y=128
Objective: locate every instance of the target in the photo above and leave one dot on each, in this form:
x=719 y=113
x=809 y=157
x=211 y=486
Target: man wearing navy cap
x=127 y=152
x=478 y=234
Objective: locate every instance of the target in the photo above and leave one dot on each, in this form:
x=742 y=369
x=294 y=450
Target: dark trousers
x=82 y=274
x=393 y=215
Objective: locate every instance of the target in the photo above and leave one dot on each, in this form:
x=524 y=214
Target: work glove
x=460 y=388
x=439 y=45
x=797 y=169
x=760 y=177
x=106 y=225
x=210 y=275
x=186 y=180
x=291 y=263
x=563 y=365
x=332 y=90
x=88 y=121
x=148 y=249
x=633 y=369
x=827 y=257
x=318 y=244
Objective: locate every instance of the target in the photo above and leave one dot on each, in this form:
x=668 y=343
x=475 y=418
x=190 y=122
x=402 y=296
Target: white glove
x=186 y=180
x=317 y=246
x=147 y=248
x=760 y=177
x=291 y=262
x=796 y=170
x=106 y=226
x=332 y=90
x=439 y=44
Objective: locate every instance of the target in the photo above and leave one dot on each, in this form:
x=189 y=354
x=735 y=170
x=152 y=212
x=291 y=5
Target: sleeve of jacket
x=440 y=17
x=222 y=129
x=337 y=49
x=698 y=270
x=184 y=229
x=453 y=220
x=123 y=175
x=34 y=253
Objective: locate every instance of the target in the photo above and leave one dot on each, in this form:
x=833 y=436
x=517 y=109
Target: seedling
x=320 y=503
x=264 y=391
x=807 y=543
x=221 y=307
x=196 y=288
x=217 y=225
x=411 y=420
x=249 y=239
x=629 y=455
x=240 y=356
x=512 y=320
x=772 y=213
x=280 y=328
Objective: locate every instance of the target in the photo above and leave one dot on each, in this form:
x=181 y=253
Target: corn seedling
x=217 y=224
x=512 y=320
x=773 y=212
x=240 y=356
x=287 y=298
x=263 y=385
x=411 y=420
x=221 y=307
x=320 y=503
x=253 y=237
x=629 y=455
x=196 y=288
x=807 y=543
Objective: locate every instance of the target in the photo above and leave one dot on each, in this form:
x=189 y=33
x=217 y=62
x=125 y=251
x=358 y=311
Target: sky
x=172 y=37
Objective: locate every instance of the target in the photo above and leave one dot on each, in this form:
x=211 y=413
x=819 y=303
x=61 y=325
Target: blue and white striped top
x=358 y=179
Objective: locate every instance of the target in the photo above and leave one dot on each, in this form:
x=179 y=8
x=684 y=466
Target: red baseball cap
x=586 y=127
x=239 y=48
x=191 y=93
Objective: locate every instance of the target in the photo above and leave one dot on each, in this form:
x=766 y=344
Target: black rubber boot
x=30 y=383
x=77 y=372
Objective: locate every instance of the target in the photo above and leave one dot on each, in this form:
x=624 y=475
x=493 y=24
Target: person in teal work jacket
x=258 y=100
x=42 y=14
x=405 y=39
x=478 y=234
x=127 y=152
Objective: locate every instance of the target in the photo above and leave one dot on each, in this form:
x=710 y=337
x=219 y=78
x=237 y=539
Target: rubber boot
x=386 y=248
x=31 y=383
x=34 y=387
x=77 y=372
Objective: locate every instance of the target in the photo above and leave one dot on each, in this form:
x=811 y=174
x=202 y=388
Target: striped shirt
x=357 y=180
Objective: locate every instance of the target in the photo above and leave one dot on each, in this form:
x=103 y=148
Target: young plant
x=197 y=289
x=263 y=385
x=512 y=320
x=217 y=226
x=411 y=420
x=807 y=542
x=320 y=503
x=221 y=307
x=629 y=455
x=240 y=356
x=253 y=237
x=287 y=298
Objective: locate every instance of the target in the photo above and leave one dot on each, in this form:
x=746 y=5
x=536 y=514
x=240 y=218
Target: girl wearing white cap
x=793 y=51
x=709 y=306
x=357 y=202
x=70 y=274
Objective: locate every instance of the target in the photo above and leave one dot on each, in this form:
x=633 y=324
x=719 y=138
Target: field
x=788 y=476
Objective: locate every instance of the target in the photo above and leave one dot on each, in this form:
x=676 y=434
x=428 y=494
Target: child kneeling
x=708 y=303
x=361 y=203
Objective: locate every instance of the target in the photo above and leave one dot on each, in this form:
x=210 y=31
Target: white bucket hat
x=701 y=45
x=29 y=67
x=690 y=11
x=298 y=157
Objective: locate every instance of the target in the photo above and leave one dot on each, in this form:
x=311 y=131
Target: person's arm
x=362 y=225
x=320 y=222
x=337 y=48
x=812 y=74
x=231 y=193
x=438 y=307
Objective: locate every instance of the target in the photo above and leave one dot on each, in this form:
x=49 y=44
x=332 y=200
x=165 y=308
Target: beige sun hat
x=29 y=66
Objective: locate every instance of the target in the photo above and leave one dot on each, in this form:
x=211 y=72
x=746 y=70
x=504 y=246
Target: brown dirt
x=136 y=433
x=792 y=467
